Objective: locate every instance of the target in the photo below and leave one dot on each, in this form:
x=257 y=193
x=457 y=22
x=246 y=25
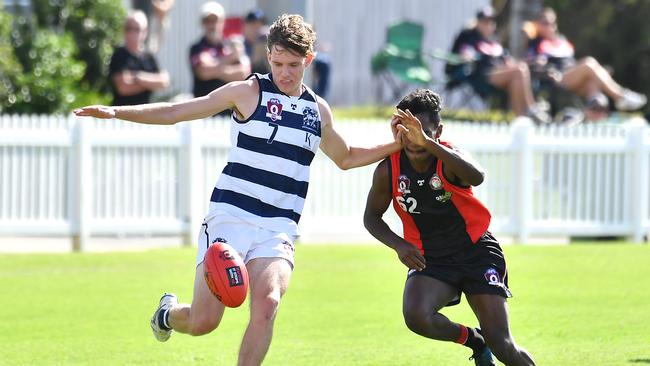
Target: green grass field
x=586 y=304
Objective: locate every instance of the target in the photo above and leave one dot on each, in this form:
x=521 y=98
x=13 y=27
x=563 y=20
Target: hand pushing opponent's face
x=431 y=129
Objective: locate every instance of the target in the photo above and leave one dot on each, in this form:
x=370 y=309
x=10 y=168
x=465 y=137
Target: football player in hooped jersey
x=277 y=126
x=446 y=245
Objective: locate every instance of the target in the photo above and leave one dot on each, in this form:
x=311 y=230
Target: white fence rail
x=63 y=176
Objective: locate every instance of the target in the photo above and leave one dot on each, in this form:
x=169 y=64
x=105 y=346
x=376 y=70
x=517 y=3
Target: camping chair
x=458 y=92
x=400 y=62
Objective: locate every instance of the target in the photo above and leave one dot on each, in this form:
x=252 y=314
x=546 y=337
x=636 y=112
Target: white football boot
x=166 y=302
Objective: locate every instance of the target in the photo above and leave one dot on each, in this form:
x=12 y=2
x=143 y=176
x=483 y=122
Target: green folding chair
x=401 y=61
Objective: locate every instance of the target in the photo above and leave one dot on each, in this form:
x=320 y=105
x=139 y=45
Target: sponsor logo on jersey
x=435 y=183
x=310 y=120
x=444 y=197
x=274 y=109
x=420 y=182
x=403 y=184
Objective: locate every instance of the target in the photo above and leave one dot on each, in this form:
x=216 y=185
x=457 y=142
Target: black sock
x=163 y=320
x=474 y=340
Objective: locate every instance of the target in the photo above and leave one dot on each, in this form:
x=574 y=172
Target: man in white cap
x=215 y=61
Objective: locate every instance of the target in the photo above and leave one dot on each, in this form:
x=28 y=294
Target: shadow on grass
x=640 y=360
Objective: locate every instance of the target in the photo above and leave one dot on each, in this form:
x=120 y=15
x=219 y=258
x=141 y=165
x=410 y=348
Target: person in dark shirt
x=487 y=66
x=446 y=245
x=133 y=72
x=552 y=56
x=214 y=60
x=255 y=33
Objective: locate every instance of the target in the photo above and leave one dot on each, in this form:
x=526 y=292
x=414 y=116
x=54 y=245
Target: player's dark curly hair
x=423 y=101
x=291 y=32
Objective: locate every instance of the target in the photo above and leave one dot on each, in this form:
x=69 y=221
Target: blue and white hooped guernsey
x=265 y=181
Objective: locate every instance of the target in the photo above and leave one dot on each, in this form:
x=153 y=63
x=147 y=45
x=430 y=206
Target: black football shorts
x=475 y=270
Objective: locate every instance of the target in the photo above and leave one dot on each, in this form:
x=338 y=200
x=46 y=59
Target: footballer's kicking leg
x=205 y=313
x=269 y=278
x=492 y=313
x=423 y=297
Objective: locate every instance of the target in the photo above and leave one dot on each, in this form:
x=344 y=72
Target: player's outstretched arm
x=458 y=166
x=378 y=200
x=347 y=157
x=219 y=100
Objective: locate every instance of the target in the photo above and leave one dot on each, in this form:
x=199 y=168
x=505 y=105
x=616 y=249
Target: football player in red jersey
x=446 y=245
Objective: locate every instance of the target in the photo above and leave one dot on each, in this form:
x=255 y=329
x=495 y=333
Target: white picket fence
x=66 y=176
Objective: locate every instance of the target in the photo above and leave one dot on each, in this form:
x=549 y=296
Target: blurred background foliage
x=56 y=58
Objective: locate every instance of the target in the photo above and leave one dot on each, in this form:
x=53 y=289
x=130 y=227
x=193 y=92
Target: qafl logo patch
x=403 y=184
x=310 y=121
x=492 y=277
x=274 y=109
x=435 y=183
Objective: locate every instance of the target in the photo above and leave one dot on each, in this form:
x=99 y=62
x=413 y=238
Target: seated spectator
x=551 y=56
x=133 y=72
x=488 y=67
x=216 y=61
x=255 y=40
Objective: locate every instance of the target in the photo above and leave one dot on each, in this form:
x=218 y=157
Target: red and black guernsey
x=439 y=217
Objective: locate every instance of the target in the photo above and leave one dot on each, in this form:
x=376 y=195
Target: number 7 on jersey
x=275 y=130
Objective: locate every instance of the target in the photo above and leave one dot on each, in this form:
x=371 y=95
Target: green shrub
x=58 y=57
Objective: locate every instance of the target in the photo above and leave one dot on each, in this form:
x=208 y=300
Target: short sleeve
x=195 y=50
x=118 y=61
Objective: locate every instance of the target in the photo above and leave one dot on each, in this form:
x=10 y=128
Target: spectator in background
x=216 y=61
x=552 y=56
x=156 y=11
x=255 y=34
x=488 y=67
x=133 y=71
x=321 y=71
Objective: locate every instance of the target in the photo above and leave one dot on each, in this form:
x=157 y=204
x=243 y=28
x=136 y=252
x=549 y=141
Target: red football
x=226 y=274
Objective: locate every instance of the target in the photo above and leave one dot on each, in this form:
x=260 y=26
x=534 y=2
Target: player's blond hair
x=290 y=31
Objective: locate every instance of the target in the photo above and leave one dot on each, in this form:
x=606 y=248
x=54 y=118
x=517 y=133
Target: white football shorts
x=249 y=240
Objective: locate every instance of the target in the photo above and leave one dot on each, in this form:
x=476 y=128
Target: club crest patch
x=435 y=183
x=310 y=120
x=403 y=184
x=274 y=109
